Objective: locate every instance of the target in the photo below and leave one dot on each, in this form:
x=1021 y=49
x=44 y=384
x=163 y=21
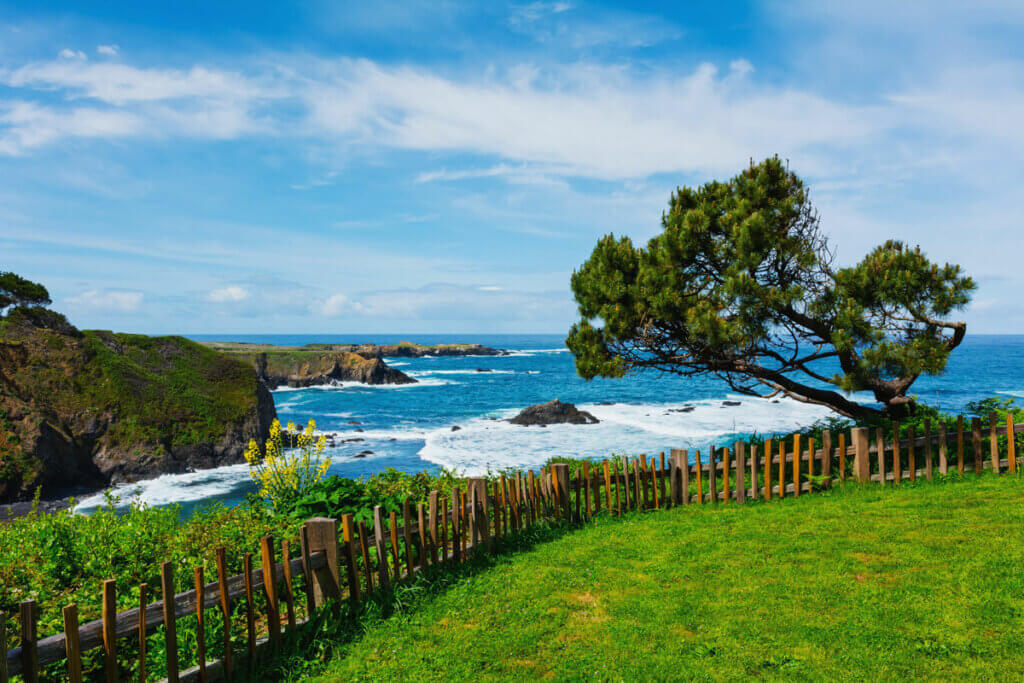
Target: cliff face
x=309 y=368
x=86 y=409
x=400 y=350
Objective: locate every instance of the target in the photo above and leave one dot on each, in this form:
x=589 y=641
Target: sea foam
x=483 y=443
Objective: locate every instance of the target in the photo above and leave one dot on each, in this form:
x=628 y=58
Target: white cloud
x=109 y=50
x=25 y=125
x=611 y=122
x=337 y=305
x=443 y=301
x=110 y=300
x=121 y=84
x=67 y=53
x=230 y=294
x=542 y=123
x=596 y=121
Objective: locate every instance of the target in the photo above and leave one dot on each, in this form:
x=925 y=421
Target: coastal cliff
x=84 y=409
x=304 y=368
x=317 y=364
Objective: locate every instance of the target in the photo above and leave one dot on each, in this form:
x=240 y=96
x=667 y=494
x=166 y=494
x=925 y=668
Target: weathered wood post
x=321 y=534
x=861 y=467
x=676 y=465
x=29 y=613
x=741 y=471
x=826 y=457
x=560 y=474
x=170 y=629
x=476 y=488
x=381 y=544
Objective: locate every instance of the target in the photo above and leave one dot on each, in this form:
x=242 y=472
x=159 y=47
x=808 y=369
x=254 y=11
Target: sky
x=443 y=167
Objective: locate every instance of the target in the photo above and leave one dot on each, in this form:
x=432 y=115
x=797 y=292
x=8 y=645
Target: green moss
x=176 y=391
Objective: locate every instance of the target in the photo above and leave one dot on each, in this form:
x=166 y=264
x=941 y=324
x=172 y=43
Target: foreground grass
x=866 y=583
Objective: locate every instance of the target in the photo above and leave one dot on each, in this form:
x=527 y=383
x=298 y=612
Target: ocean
x=413 y=427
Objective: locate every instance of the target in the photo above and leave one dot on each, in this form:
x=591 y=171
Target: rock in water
x=553 y=412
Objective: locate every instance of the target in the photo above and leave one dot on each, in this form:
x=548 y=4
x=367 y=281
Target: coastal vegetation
x=741 y=285
x=289 y=465
x=62 y=558
x=83 y=409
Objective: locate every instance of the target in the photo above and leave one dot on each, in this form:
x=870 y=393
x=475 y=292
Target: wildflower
x=283 y=476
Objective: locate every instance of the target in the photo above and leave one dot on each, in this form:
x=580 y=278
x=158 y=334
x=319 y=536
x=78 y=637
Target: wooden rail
x=355 y=561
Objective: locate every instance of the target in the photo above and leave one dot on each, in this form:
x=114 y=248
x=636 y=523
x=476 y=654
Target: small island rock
x=553 y=412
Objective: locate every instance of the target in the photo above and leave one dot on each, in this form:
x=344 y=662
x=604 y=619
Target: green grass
x=862 y=583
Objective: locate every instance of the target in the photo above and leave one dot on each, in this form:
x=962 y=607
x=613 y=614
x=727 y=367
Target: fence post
x=29 y=612
x=676 y=476
x=322 y=534
x=741 y=471
x=560 y=473
x=861 y=468
x=170 y=629
x=826 y=457
x=381 y=545
x=110 y=629
x=476 y=488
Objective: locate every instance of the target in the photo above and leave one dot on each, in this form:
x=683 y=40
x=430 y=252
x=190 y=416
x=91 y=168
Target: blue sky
x=439 y=166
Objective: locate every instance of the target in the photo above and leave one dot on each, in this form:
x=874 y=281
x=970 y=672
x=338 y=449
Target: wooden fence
x=347 y=564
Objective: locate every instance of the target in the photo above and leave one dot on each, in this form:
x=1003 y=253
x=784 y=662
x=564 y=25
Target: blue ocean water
x=453 y=416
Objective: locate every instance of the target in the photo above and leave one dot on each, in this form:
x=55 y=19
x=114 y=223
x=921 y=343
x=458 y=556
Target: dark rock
x=684 y=409
x=456 y=428
x=552 y=412
x=354 y=422
x=606 y=403
x=484 y=370
x=730 y=403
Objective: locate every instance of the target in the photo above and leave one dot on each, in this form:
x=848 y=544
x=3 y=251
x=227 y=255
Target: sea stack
x=553 y=412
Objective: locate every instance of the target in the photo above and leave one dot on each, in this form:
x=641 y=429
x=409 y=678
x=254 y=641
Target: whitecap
x=514 y=353
x=484 y=444
x=176 y=488
x=342 y=386
x=427 y=373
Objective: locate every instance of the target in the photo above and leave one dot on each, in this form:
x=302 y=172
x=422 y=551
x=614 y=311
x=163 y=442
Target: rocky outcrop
x=411 y=350
x=81 y=410
x=309 y=368
x=400 y=350
x=553 y=412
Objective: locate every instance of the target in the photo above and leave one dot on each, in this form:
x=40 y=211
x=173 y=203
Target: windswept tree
x=17 y=291
x=741 y=284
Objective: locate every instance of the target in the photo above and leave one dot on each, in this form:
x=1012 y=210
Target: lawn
x=922 y=580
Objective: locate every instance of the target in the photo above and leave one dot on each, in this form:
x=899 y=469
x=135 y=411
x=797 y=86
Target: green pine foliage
x=741 y=284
